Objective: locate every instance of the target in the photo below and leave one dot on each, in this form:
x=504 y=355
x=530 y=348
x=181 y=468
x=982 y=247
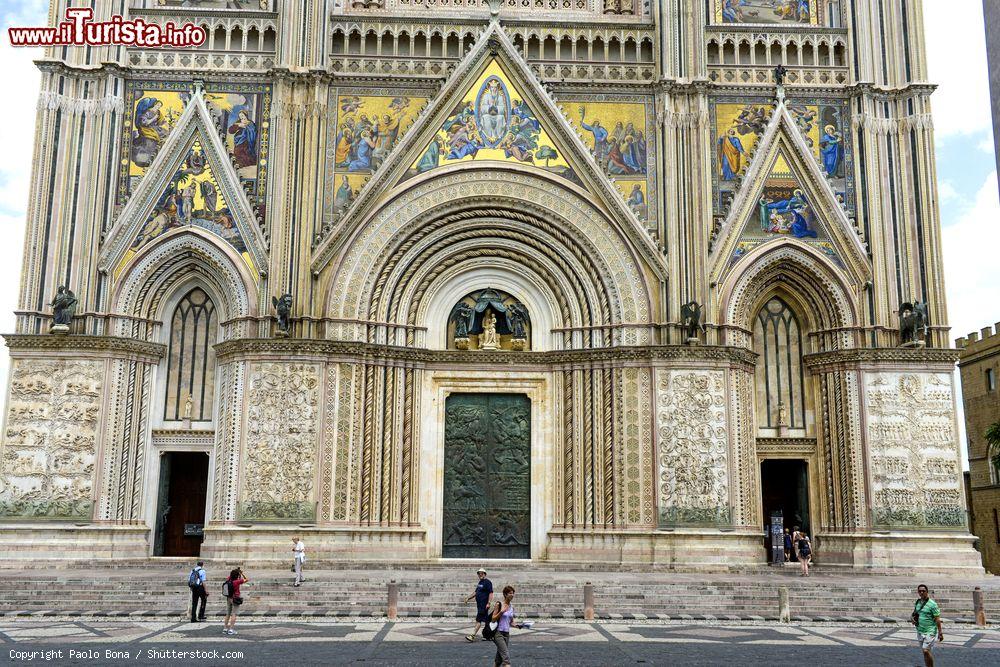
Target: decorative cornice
x=114 y=345
x=239 y=349
x=786 y=445
x=867 y=356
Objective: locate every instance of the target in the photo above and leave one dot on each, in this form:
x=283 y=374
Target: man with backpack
x=196 y=582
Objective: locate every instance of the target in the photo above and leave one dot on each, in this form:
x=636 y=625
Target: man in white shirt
x=299 y=550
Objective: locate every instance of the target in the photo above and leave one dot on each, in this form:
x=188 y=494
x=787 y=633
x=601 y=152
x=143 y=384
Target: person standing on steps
x=196 y=582
x=805 y=552
x=231 y=589
x=926 y=617
x=504 y=614
x=484 y=596
x=299 y=552
x=795 y=544
x=788 y=546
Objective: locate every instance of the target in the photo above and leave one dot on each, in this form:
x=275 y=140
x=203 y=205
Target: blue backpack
x=194 y=579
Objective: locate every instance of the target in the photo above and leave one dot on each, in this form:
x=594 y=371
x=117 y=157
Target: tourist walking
x=299 y=553
x=196 y=582
x=788 y=546
x=795 y=544
x=504 y=615
x=805 y=552
x=927 y=618
x=231 y=589
x=483 y=595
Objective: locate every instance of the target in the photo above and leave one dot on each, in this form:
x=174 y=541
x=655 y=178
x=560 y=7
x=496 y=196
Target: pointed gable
x=191 y=197
x=554 y=147
x=785 y=195
x=191 y=182
x=492 y=121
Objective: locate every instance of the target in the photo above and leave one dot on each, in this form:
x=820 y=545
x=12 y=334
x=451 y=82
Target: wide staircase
x=159 y=588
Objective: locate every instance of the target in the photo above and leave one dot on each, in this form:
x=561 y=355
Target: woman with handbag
x=231 y=589
x=503 y=615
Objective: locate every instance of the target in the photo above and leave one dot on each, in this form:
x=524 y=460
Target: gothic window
x=780 y=378
x=191 y=358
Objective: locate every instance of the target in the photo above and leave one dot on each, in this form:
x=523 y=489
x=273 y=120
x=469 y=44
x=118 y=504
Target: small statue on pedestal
x=462 y=315
x=488 y=340
x=913 y=324
x=283 y=309
x=691 y=321
x=63 y=307
x=780 y=72
x=517 y=320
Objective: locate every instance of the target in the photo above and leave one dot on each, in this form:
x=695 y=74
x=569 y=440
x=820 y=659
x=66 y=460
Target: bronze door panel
x=487 y=476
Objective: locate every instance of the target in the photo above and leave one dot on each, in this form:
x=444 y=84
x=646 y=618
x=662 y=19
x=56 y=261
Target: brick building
x=980 y=369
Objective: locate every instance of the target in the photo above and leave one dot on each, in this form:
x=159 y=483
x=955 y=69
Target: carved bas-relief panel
x=693 y=447
x=281 y=439
x=915 y=476
x=49 y=449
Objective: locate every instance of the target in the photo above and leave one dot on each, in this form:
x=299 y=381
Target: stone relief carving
x=282 y=433
x=912 y=445
x=693 y=440
x=51 y=438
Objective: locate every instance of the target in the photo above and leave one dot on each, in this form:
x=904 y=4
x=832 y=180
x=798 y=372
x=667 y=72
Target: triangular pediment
x=491 y=109
x=192 y=182
x=784 y=194
x=493 y=121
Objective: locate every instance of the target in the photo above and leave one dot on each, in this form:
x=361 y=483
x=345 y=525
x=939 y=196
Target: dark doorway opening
x=180 y=508
x=784 y=487
x=487 y=476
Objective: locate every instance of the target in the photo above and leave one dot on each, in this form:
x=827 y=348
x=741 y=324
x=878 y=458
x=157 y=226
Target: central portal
x=487 y=476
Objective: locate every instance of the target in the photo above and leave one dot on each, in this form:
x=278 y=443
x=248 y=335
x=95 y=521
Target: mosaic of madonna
x=241 y=110
x=739 y=122
x=493 y=121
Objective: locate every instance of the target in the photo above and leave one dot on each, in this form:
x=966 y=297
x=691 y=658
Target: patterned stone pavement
x=440 y=642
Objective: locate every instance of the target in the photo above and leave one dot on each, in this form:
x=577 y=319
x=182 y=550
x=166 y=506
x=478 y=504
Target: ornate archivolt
x=803 y=273
x=783 y=143
x=178 y=257
x=195 y=126
x=544 y=227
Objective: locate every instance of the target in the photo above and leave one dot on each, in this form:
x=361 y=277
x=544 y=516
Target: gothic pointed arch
x=494 y=61
x=554 y=244
x=784 y=194
x=190 y=184
x=183 y=258
x=800 y=274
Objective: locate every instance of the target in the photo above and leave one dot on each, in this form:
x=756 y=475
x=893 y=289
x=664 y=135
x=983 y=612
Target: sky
x=970 y=204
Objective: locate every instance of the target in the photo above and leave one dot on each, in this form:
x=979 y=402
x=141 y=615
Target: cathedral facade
x=598 y=281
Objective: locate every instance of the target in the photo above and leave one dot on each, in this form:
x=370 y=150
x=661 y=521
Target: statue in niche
x=63 y=307
x=691 y=321
x=517 y=319
x=488 y=340
x=462 y=315
x=913 y=324
x=283 y=309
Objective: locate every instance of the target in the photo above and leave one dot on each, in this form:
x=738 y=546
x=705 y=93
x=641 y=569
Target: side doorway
x=180 y=507
x=784 y=485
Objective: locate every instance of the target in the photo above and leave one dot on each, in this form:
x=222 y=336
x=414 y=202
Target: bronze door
x=183 y=516
x=487 y=476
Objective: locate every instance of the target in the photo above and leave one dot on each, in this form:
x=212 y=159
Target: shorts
x=927 y=641
x=481 y=615
x=231 y=608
